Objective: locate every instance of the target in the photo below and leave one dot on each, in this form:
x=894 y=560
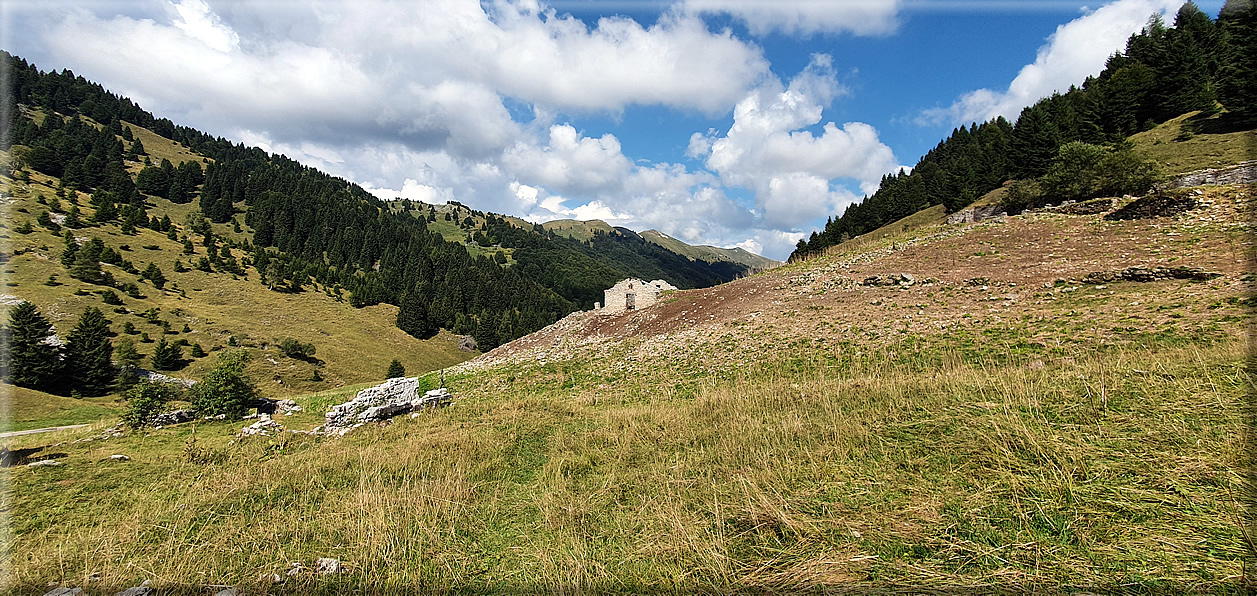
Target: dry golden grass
x=1118 y=466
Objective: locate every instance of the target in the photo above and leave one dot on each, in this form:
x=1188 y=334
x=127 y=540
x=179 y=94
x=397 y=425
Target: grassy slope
x=1089 y=437
x=1187 y=143
x=354 y=345
x=711 y=254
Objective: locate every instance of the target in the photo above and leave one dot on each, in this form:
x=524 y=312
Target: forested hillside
x=297 y=226
x=1198 y=64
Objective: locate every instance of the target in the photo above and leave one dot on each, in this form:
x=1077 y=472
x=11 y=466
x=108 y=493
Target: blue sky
x=726 y=122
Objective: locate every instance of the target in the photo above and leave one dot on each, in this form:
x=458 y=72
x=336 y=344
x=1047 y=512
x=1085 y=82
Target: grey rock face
x=388 y=399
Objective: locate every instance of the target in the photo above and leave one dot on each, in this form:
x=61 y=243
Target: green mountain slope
x=703 y=252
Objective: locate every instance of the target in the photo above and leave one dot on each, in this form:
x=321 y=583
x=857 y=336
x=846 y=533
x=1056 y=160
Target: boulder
x=264 y=426
x=388 y=399
x=467 y=343
x=174 y=417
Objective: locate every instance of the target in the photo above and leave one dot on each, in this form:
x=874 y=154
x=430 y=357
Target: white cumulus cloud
x=1076 y=50
x=791 y=169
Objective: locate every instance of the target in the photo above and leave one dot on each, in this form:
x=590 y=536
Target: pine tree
x=33 y=361
x=88 y=354
x=395 y=370
x=1237 y=85
x=166 y=356
x=71 y=251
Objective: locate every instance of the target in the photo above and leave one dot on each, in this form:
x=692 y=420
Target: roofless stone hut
x=632 y=294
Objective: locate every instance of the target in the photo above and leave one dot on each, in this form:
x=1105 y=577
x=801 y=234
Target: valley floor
x=995 y=425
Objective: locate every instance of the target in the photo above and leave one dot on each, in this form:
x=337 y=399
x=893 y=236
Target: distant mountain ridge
x=291 y=227
x=585 y=230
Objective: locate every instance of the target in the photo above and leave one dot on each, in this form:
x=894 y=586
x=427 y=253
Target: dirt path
x=18 y=433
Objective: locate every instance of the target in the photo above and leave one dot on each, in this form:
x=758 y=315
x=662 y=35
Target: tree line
x=308 y=227
x=1198 y=64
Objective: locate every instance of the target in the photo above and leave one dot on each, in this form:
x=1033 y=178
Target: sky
x=724 y=122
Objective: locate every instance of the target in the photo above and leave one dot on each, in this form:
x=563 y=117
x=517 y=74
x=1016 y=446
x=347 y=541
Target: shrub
x=225 y=390
x=147 y=399
x=295 y=349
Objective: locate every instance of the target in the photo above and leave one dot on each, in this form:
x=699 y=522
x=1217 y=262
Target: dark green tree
x=412 y=317
x=34 y=361
x=89 y=354
x=395 y=370
x=166 y=355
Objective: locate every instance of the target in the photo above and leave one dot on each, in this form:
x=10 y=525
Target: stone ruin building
x=632 y=294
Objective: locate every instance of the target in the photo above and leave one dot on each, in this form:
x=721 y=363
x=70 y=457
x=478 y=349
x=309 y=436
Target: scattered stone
x=328 y=566
x=264 y=426
x=1146 y=274
x=388 y=399
x=43 y=463
x=109 y=433
x=63 y=591
x=274 y=578
x=229 y=592
x=160 y=378
x=120 y=457
x=1161 y=204
x=174 y=417
x=894 y=279
x=143 y=589
x=295 y=569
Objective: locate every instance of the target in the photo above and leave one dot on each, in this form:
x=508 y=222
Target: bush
x=1081 y=171
x=225 y=390
x=147 y=399
x=295 y=349
x=1022 y=195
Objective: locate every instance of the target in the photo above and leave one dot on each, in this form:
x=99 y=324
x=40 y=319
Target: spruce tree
x=166 y=356
x=33 y=361
x=88 y=354
x=395 y=370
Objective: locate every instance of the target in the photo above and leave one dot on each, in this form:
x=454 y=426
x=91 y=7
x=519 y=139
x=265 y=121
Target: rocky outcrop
x=388 y=399
x=976 y=214
x=1244 y=173
x=264 y=426
x=1161 y=204
x=174 y=417
x=1145 y=274
x=467 y=343
x=902 y=280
